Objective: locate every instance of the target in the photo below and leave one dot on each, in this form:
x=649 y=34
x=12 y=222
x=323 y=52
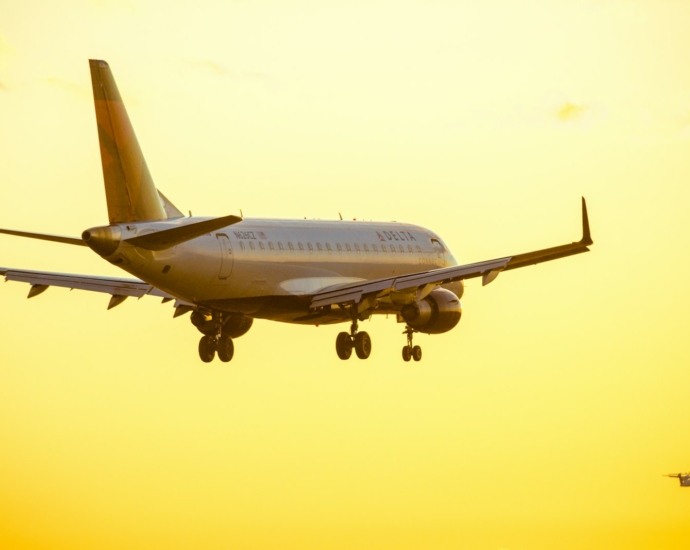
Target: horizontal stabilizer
x=44 y=237
x=166 y=238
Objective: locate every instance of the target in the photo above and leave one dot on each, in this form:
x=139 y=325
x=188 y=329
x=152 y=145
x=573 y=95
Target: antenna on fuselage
x=341 y=216
x=241 y=215
x=190 y=213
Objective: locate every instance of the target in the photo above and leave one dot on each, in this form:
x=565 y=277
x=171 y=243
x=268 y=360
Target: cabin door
x=225 y=256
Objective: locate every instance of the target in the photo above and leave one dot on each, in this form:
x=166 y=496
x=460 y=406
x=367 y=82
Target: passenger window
x=328 y=246
x=366 y=248
x=402 y=250
x=393 y=248
x=318 y=247
x=409 y=248
x=376 y=250
x=347 y=247
x=280 y=246
x=419 y=249
x=340 y=248
x=292 y=248
x=261 y=246
x=311 y=248
x=251 y=245
x=270 y=246
x=356 y=247
x=241 y=245
x=383 y=248
x=300 y=246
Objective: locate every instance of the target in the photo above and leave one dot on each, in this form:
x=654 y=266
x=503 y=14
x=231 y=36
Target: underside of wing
x=119 y=288
x=418 y=285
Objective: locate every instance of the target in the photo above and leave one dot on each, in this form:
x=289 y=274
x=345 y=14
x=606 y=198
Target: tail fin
x=129 y=189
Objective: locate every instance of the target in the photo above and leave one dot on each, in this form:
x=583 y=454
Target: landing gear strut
x=360 y=341
x=410 y=351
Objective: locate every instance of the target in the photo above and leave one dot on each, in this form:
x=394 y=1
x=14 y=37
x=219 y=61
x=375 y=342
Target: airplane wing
x=364 y=293
x=118 y=288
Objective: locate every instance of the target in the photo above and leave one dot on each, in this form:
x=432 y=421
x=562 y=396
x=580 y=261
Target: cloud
x=5 y=48
x=571 y=111
x=209 y=66
x=684 y=126
x=68 y=86
x=215 y=69
x=111 y=4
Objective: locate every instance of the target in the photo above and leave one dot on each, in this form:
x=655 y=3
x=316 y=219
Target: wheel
x=343 y=345
x=226 y=348
x=207 y=348
x=417 y=353
x=407 y=353
x=363 y=345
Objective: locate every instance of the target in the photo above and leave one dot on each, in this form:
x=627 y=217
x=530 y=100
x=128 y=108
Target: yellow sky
x=544 y=420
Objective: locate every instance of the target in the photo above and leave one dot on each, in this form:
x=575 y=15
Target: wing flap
x=107 y=285
x=380 y=287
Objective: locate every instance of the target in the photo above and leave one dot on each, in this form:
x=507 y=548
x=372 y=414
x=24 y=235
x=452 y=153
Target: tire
x=407 y=353
x=343 y=346
x=417 y=353
x=226 y=348
x=207 y=348
x=363 y=345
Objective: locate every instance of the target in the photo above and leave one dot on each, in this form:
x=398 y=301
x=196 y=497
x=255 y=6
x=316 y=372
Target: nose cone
x=102 y=240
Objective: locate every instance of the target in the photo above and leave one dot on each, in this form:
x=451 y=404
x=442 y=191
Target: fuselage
x=269 y=268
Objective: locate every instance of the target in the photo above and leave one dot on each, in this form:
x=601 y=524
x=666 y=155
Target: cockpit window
x=438 y=247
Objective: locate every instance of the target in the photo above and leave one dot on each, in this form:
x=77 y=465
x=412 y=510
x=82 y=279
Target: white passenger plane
x=229 y=271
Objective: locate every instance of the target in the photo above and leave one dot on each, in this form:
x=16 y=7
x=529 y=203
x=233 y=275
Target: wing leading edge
x=488 y=270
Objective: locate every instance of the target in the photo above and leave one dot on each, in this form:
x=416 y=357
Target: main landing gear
x=360 y=341
x=220 y=343
x=410 y=351
x=214 y=340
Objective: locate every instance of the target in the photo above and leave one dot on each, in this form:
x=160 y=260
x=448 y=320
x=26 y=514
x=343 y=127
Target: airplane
x=227 y=271
x=683 y=478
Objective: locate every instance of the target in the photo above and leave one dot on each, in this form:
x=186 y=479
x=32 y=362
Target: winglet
x=586 y=236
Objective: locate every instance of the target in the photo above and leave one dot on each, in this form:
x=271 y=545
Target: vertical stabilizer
x=129 y=189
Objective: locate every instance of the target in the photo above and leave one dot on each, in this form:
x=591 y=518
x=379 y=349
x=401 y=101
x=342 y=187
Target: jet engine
x=439 y=312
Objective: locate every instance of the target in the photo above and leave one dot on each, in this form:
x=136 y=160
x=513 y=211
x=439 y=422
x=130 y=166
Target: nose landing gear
x=410 y=351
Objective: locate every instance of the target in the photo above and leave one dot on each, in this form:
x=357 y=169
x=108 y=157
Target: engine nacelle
x=237 y=325
x=439 y=312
